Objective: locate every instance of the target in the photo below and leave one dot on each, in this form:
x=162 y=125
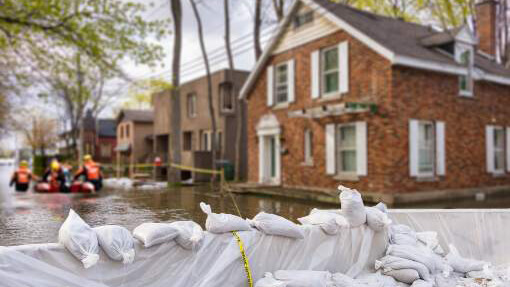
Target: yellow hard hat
x=55 y=165
x=23 y=163
x=87 y=157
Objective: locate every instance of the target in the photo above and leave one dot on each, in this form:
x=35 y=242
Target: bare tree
x=209 y=83
x=175 y=137
x=38 y=131
x=256 y=29
x=279 y=9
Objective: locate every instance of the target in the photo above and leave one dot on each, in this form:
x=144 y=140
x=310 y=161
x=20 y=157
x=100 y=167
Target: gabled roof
x=138 y=116
x=401 y=42
x=107 y=128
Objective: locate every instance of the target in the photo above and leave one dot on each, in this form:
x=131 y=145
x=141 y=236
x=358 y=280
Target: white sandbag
x=79 y=239
x=463 y=265
x=303 y=278
x=421 y=283
x=382 y=207
x=407 y=276
x=269 y=281
x=151 y=234
x=342 y=280
x=117 y=242
x=190 y=234
x=330 y=222
x=221 y=222
x=401 y=234
x=431 y=260
x=376 y=219
x=352 y=206
x=430 y=240
x=388 y=263
x=273 y=224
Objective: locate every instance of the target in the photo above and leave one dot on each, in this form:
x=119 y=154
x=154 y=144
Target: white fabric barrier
x=217 y=262
x=481 y=234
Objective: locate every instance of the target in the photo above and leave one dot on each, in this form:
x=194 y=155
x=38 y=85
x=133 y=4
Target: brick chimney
x=486 y=26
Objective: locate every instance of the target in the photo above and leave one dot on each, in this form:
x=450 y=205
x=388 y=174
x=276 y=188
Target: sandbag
x=269 y=281
x=190 y=234
x=331 y=223
x=382 y=207
x=151 y=234
x=388 y=263
x=117 y=242
x=303 y=278
x=376 y=219
x=421 y=283
x=352 y=206
x=407 y=276
x=431 y=260
x=375 y=280
x=273 y=224
x=79 y=239
x=342 y=280
x=221 y=222
x=430 y=240
x=462 y=265
x=401 y=234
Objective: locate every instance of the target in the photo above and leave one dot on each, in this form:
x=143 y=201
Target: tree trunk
x=256 y=27
x=209 y=85
x=278 y=6
x=174 y=153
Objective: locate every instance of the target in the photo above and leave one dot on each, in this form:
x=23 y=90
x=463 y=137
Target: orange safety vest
x=23 y=175
x=93 y=171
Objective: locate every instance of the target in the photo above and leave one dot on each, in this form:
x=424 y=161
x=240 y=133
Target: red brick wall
x=486 y=26
x=432 y=96
x=370 y=78
x=400 y=94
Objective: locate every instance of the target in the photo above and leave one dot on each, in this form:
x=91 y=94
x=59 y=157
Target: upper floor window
x=192 y=105
x=330 y=70
x=128 y=128
x=464 y=56
x=121 y=132
x=227 y=97
x=281 y=83
x=303 y=19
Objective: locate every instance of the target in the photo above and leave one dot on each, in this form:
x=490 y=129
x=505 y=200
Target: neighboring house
x=343 y=96
x=196 y=126
x=99 y=138
x=134 y=137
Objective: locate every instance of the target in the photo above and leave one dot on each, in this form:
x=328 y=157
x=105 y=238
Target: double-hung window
x=346 y=149
x=192 y=105
x=499 y=149
x=426 y=142
x=308 y=147
x=330 y=71
x=281 y=83
x=227 y=97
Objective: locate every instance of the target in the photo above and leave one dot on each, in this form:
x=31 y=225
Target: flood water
x=36 y=218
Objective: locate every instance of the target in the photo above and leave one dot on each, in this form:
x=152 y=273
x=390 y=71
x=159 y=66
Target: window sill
x=347 y=177
x=281 y=106
x=426 y=178
x=466 y=94
x=307 y=163
x=498 y=174
x=330 y=97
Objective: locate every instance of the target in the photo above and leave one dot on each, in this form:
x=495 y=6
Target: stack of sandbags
x=118 y=183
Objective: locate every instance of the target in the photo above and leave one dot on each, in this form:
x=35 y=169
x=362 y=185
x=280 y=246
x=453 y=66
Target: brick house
x=342 y=96
x=196 y=127
x=134 y=137
x=99 y=138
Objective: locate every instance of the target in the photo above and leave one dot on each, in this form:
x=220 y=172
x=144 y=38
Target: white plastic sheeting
x=476 y=233
x=216 y=263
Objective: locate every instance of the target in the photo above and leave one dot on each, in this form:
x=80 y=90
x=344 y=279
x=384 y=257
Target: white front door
x=269 y=164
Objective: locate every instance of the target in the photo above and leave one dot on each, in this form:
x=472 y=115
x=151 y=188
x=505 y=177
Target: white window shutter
x=315 y=74
x=508 y=149
x=291 y=80
x=361 y=148
x=343 y=52
x=270 y=85
x=330 y=149
x=489 y=142
x=440 y=149
x=413 y=147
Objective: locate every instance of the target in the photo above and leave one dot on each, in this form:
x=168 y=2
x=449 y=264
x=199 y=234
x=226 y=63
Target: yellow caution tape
x=245 y=259
x=201 y=170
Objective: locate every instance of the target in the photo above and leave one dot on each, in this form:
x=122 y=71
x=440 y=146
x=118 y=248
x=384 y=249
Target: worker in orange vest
x=54 y=175
x=21 y=178
x=92 y=172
